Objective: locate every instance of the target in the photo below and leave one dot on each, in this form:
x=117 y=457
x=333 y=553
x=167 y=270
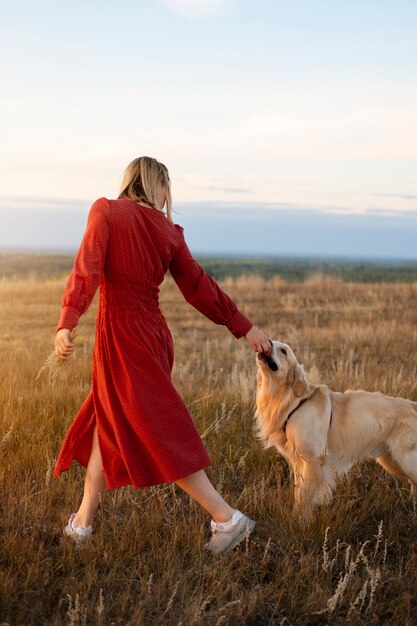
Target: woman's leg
x=94 y=485
x=199 y=487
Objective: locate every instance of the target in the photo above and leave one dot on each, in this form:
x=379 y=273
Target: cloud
x=34 y=203
x=220 y=229
x=230 y=189
x=252 y=209
x=402 y=196
x=244 y=228
x=247 y=209
x=200 y=8
x=397 y=213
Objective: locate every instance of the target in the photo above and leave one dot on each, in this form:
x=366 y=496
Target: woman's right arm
x=85 y=275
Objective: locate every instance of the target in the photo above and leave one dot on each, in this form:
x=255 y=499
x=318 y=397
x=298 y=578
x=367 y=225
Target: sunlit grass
x=355 y=564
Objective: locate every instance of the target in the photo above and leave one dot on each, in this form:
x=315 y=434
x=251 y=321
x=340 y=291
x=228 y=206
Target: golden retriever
x=323 y=432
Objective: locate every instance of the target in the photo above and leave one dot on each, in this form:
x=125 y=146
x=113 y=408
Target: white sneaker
x=223 y=541
x=80 y=534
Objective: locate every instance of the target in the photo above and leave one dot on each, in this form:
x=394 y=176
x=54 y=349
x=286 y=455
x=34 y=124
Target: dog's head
x=281 y=368
x=281 y=379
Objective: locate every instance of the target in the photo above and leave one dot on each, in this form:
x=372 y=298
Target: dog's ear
x=298 y=381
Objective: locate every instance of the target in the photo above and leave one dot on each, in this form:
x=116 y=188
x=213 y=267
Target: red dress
x=146 y=434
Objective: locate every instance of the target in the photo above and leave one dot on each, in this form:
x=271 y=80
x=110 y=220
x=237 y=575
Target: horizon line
x=235 y=255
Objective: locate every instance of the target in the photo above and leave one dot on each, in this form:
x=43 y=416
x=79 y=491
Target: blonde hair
x=142 y=180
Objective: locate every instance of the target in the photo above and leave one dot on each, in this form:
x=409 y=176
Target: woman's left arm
x=203 y=293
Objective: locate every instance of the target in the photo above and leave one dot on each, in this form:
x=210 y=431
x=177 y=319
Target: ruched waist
x=124 y=290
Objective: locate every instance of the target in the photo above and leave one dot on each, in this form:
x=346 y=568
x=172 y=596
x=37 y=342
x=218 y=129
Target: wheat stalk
x=54 y=364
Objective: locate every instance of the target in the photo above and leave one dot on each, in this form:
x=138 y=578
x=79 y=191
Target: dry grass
x=355 y=564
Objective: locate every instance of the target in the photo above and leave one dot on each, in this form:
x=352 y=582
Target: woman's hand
x=258 y=340
x=63 y=344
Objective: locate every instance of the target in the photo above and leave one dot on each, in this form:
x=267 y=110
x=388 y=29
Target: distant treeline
x=298 y=269
x=47 y=265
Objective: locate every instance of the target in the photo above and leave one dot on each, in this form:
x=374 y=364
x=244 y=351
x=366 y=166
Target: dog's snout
x=265 y=358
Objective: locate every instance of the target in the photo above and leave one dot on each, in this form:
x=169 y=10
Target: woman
x=133 y=428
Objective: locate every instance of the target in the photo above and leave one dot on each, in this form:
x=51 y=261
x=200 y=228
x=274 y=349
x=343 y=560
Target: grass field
x=356 y=563
x=293 y=269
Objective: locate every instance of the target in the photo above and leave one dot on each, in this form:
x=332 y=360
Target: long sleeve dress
x=146 y=434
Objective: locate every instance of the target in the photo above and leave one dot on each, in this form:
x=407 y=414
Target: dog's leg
x=314 y=482
x=390 y=465
x=302 y=505
x=406 y=466
x=413 y=493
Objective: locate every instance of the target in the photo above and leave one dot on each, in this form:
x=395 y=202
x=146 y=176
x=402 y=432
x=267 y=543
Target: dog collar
x=284 y=426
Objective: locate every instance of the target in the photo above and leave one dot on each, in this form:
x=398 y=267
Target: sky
x=287 y=127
